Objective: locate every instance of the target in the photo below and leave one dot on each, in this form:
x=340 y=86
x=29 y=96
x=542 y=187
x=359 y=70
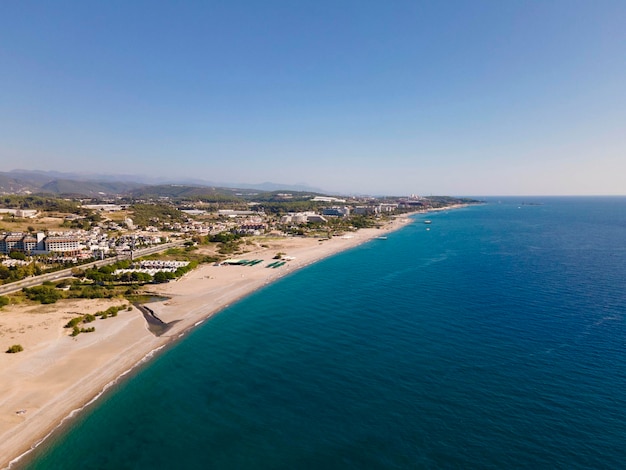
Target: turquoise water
x=496 y=339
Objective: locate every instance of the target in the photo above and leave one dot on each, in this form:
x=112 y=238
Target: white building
x=62 y=244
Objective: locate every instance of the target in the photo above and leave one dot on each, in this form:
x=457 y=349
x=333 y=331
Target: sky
x=386 y=97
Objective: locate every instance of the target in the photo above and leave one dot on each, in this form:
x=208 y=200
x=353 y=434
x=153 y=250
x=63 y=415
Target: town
x=44 y=233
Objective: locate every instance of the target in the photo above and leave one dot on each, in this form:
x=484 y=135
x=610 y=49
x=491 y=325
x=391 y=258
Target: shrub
x=73 y=322
x=75 y=331
x=3 y=301
x=111 y=312
x=91 y=292
x=63 y=283
x=162 y=276
x=17 y=255
x=15 y=349
x=43 y=294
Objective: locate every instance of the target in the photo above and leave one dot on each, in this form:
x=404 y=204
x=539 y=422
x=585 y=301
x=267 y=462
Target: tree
x=17 y=255
x=162 y=276
x=15 y=349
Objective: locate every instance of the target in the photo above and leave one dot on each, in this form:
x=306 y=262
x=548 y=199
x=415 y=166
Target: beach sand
x=57 y=374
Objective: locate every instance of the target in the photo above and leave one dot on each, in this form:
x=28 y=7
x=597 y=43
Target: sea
x=493 y=337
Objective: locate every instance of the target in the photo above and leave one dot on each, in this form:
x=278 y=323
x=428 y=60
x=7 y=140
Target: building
x=26 y=213
x=327 y=199
x=364 y=210
x=337 y=211
x=23 y=242
x=22 y=213
x=234 y=213
x=67 y=246
x=302 y=218
x=39 y=244
x=316 y=219
x=387 y=208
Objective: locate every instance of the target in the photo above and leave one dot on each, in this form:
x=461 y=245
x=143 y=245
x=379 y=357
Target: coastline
x=55 y=377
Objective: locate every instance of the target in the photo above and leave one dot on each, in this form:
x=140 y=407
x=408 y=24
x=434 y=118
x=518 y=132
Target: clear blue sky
x=385 y=97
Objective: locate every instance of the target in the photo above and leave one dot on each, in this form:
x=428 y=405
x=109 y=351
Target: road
x=66 y=273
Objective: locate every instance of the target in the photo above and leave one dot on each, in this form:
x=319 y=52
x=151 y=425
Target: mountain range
x=107 y=185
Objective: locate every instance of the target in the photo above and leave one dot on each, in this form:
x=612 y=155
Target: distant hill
x=93 y=185
x=182 y=191
x=11 y=185
x=268 y=186
x=88 y=188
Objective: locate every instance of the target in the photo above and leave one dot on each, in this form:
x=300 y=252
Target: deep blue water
x=496 y=339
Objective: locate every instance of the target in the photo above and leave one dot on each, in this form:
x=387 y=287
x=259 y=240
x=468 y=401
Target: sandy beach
x=57 y=374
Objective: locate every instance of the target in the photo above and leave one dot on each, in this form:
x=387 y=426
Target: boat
x=381 y=238
x=428 y=221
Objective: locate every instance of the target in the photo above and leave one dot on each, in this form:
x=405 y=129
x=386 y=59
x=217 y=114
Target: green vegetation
x=17 y=255
x=4 y=301
x=229 y=242
x=111 y=311
x=105 y=275
x=73 y=322
x=49 y=294
x=16 y=273
x=282 y=207
x=93 y=291
x=135 y=277
x=162 y=276
x=224 y=237
x=149 y=214
x=44 y=294
x=88 y=318
x=15 y=349
x=361 y=221
x=63 y=283
x=50 y=204
x=188 y=193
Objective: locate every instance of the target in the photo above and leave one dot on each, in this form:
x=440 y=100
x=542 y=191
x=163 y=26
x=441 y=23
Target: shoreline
x=41 y=393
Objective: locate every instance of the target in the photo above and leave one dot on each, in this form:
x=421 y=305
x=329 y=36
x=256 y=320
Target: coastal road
x=66 y=273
